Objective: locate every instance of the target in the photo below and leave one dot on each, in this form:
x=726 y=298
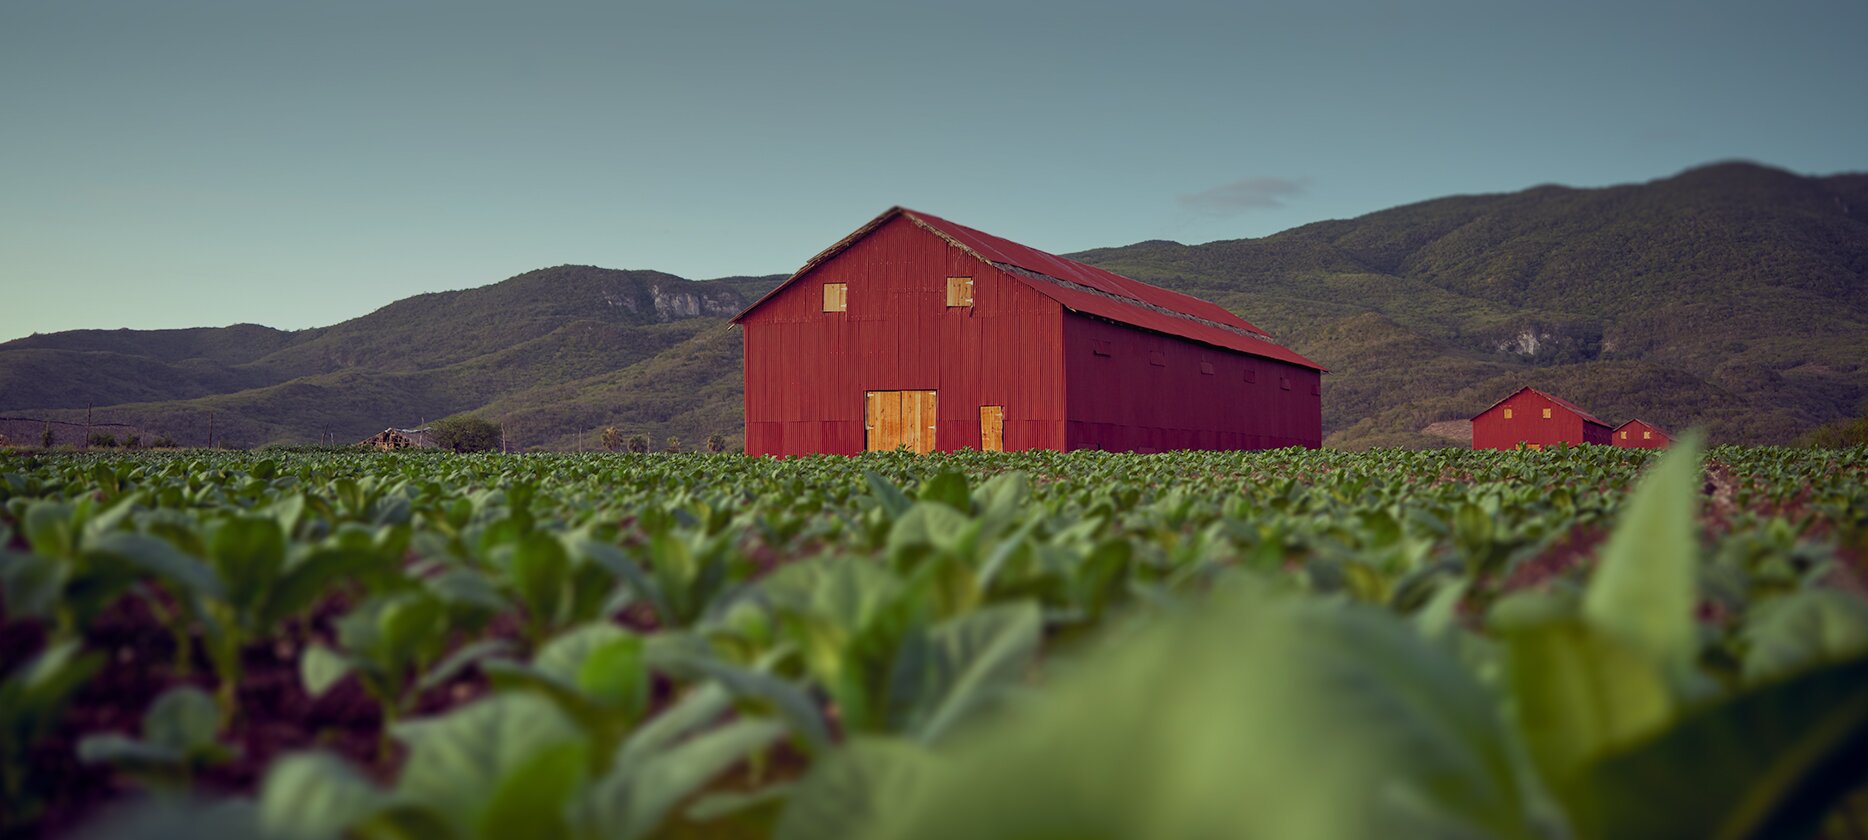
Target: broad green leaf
x=533 y=799
x=457 y=761
x=466 y=656
x=49 y=529
x=790 y=701
x=467 y=588
x=1001 y=497
x=1438 y=620
x=892 y=500
x=157 y=557
x=933 y=524
x=564 y=655
x=185 y=719
x=315 y=796
x=129 y=755
x=32 y=696
x=1254 y=718
x=648 y=791
x=303 y=583
x=714 y=806
x=540 y=571
x=972 y=661
x=615 y=674
x=702 y=705
x=948 y=488
x=1771 y=761
x=168 y=817
x=410 y=628
x=846 y=793
x=1579 y=694
x=1643 y=591
x=1804 y=629
x=31 y=585
x=248 y=555
x=619 y=564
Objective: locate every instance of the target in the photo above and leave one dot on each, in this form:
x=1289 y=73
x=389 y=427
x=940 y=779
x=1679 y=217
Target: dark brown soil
x=275 y=714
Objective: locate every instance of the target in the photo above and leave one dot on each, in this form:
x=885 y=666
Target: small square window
x=1624 y=435
x=1157 y=359
x=1546 y=414
x=1284 y=381
x=1101 y=348
x=1206 y=368
x=836 y=297
x=959 y=291
x=1507 y=412
x=1251 y=374
x=1647 y=435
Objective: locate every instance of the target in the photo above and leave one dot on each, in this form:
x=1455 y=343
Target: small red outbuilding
x=1535 y=419
x=917 y=332
x=1640 y=434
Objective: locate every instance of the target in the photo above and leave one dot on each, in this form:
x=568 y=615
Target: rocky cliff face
x=675 y=303
x=1547 y=342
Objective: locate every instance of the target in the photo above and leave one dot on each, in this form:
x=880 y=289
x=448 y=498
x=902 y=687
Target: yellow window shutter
x=959 y=291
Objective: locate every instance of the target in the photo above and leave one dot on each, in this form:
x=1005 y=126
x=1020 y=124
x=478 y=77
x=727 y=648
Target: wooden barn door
x=893 y=419
x=992 y=428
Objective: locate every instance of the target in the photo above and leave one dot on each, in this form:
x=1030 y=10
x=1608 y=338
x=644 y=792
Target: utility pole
x=210 y=430
x=87 y=427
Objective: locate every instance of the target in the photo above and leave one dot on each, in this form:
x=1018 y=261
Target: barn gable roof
x=1640 y=422
x=1573 y=408
x=1079 y=287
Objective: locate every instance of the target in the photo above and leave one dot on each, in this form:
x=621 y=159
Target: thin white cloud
x=1244 y=195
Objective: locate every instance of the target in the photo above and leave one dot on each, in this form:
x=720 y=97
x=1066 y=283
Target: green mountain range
x=1732 y=297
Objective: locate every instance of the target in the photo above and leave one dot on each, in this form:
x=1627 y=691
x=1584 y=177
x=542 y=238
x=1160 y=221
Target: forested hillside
x=1732 y=296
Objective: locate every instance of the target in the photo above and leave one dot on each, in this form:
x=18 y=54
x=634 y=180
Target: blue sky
x=294 y=164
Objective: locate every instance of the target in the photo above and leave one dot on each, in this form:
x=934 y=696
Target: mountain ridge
x=1730 y=295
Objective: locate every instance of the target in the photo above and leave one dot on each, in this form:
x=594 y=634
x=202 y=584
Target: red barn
x=1536 y=419
x=915 y=331
x=1640 y=434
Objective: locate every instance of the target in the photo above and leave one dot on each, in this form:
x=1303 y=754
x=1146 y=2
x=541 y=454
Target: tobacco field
x=1575 y=643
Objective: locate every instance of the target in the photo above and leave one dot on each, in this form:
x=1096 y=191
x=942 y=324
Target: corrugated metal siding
x=1492 y=430
x=1081 y=287
x=1124 y=401
x=1006 y=251
x=807 y=370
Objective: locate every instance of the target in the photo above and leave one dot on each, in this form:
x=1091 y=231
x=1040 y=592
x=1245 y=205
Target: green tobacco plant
x=1283 y=643
x=82 y=561
x=394 y=645
x=180 y=738
x=515 y=765
x=868 y=638
x=261 y=585
x=31 y=699
x=1273 y=715
x=599 y=677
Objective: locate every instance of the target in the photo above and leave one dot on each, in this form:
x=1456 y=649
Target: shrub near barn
x=466 y=433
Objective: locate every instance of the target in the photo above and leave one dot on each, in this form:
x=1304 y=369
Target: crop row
x=1290 y=643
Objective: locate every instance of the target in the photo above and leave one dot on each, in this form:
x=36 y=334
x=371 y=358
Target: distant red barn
x=1640 y=434
x=1536 y=419
x=915 y=331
